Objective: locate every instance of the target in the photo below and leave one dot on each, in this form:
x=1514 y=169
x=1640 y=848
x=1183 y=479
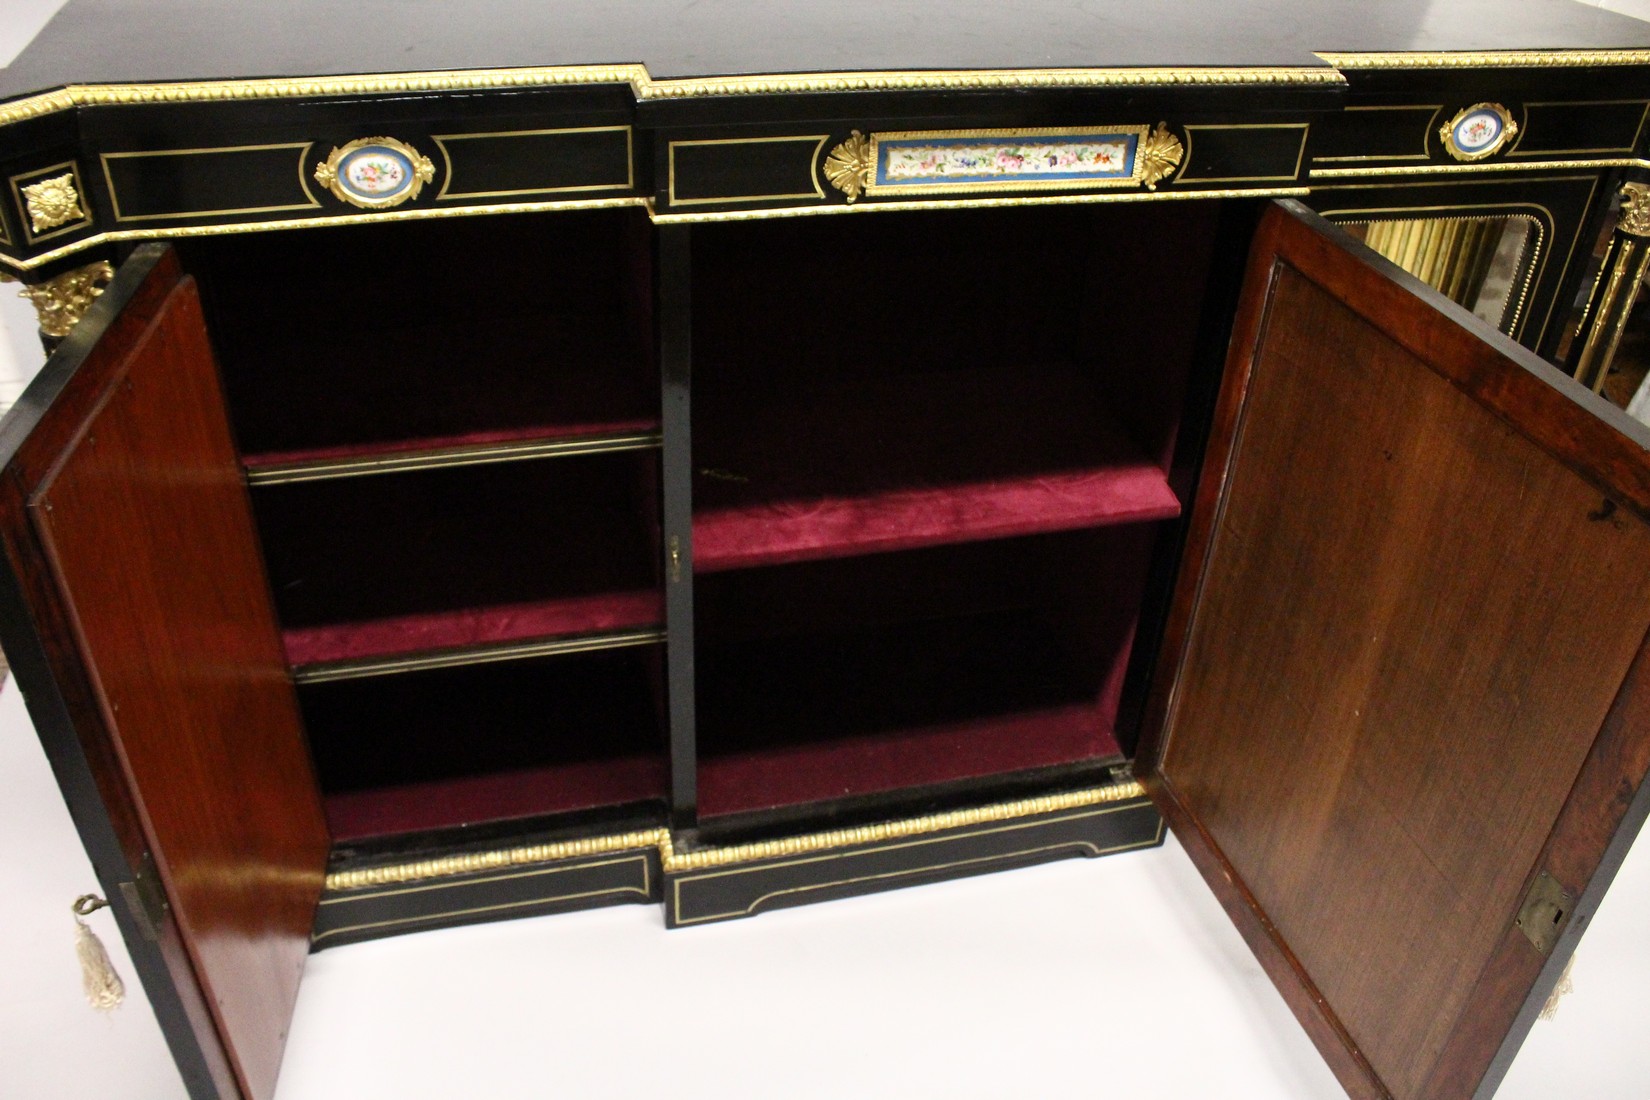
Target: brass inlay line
x=1493 y=166
x=742 y=853
x=1300 y=153
x=818 y=192
x=480 y=454
x=177 y=232
x=327 y=671
x=1626 y=149
x=480 y=80
x=645 y=890
x=1433 y=108
x=447 y=179
x=955 y=204
x=303 y=148
x=1487 y=59
x=1093 y=850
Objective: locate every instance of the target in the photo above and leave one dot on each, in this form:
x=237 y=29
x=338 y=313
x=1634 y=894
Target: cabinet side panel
x=1412 y=625
x=146 y=527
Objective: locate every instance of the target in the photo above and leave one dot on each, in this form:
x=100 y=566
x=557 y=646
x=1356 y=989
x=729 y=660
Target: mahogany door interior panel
x=135 y=497
x=1415 y=587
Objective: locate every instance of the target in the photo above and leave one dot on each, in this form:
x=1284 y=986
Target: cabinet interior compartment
x=934 y=458
x=932 y=378
x=398 y=565
x=453 y=747
x=360 y=342
x=830 y=680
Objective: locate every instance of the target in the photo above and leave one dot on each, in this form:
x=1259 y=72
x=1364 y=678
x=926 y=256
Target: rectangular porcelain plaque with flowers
x=997 y=160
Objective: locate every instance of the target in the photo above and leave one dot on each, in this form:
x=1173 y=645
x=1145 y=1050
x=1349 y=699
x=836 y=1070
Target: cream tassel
x=104 y=989
x=1565 y=986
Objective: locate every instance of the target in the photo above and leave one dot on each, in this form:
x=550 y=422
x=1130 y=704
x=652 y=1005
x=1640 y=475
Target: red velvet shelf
x=791 y=719
x=909 y=460
x=477 y=626
x=461 y=746
x=796 y=774
x=453 y=556
x=450 y=803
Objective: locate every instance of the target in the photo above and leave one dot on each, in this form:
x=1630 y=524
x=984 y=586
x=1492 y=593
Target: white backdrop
x=1119 y=977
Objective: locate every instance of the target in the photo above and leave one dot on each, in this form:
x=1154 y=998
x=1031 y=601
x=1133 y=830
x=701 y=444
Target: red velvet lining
x=912 y=460
x=317 y=359
x=450 y=803
x=488 y=742
x=792 y=774
x=459 y=555
x=987 y=659
x=607 y=611
x=432 y=444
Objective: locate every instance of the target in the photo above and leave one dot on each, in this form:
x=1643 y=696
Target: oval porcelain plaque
x=1478 y=132
x=375 y=173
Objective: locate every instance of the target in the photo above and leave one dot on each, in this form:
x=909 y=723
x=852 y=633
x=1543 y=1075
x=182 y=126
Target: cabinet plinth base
x=725 y=893
x=530 y=890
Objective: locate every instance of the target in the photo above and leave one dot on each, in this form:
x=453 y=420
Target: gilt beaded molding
x=699 y=859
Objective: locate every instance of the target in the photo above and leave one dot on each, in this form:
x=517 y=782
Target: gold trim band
x=674 y=861
x=471 y=862
x=173 y=232
x=951 y=204
x=1497 y=166
x=1488 y=59
x=168 y=233
x=636 y=75
x=484 y=454
x=896 y=830
x=329 y=671
x=975 y=80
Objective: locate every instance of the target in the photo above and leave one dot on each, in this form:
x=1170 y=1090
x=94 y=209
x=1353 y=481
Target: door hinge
x=146 y=898
x=1545 y=912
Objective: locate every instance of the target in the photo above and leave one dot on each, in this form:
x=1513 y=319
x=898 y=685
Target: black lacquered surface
x=158 y=40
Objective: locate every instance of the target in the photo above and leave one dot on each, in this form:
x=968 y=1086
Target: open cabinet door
x=1405 y=720
x=138 y=619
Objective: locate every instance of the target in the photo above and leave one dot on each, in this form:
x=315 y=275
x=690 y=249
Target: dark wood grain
x=1411 y=621
x=145 y=523
x=1582 y=853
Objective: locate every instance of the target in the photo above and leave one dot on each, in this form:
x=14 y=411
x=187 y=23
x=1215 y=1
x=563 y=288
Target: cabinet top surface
x=145 y=41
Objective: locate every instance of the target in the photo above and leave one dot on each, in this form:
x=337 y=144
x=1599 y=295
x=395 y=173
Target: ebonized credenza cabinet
x=739 y=457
